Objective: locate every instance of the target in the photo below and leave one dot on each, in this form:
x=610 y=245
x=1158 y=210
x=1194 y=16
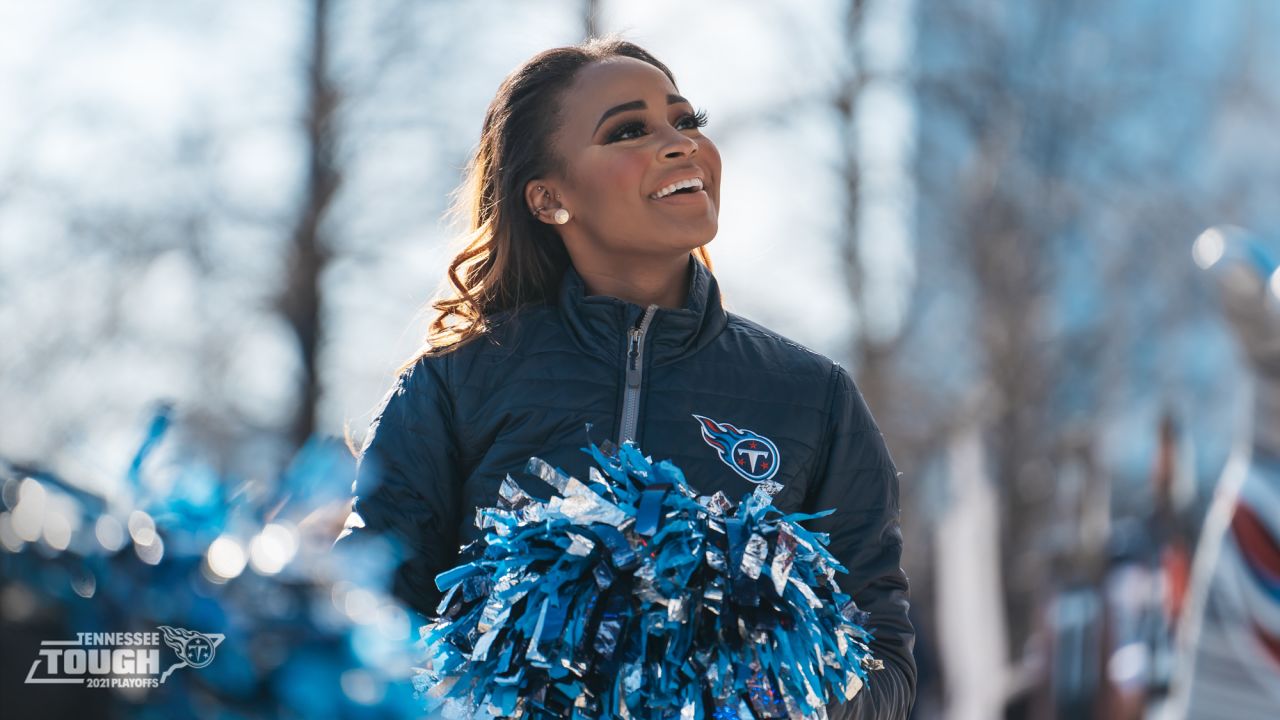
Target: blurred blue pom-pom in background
x=308 y=632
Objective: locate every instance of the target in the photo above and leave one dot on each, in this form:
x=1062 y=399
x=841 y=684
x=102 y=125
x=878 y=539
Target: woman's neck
x=664 y=283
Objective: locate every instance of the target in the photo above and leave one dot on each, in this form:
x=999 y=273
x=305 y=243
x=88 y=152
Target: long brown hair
x=509 y=258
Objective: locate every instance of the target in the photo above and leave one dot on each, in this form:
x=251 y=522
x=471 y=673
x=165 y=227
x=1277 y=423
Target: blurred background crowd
x=1042 y=235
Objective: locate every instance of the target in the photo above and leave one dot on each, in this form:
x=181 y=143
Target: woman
x=585 y=299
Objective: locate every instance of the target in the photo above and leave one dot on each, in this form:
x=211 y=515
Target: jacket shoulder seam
x=797 y=351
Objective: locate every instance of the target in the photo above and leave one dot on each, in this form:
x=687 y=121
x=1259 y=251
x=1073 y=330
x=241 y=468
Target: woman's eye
x=624 y=131
x=699 y=118
x=688 y=120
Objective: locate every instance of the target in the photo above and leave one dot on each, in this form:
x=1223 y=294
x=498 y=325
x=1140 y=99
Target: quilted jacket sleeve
x=407 y=483
x=861 y=482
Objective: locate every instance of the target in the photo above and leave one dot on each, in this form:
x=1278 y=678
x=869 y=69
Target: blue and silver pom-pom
x=631 y=596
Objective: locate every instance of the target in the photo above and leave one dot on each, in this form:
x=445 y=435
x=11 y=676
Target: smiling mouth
x=691 y=192
x=694 y=194
x=680 y=187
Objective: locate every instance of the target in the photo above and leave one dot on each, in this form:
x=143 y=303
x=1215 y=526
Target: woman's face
x=625 y=134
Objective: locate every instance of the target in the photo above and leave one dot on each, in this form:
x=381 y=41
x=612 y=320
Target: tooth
x=692 y=182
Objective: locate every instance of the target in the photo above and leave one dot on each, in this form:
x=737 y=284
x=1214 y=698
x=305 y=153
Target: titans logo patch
x=751 y=455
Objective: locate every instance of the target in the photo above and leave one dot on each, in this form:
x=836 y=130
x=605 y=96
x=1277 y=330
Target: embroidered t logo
x=751 y=455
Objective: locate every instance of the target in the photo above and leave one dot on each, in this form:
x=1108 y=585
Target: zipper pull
x=633 y=354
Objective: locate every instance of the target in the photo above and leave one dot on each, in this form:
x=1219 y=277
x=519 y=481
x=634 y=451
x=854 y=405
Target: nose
x=678 y=144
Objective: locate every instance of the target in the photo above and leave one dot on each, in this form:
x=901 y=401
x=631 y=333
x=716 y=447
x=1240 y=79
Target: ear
x=541 y=198
x=536 y=195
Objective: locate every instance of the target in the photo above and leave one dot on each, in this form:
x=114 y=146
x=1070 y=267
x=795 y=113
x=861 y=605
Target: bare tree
x=300 y=301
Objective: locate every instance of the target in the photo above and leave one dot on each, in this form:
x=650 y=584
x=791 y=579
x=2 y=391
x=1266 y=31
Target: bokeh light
x=225 y=558
x=27 y=517
x=272 y=548
x=142 y=528
x=109 y=532
x=1208 y=247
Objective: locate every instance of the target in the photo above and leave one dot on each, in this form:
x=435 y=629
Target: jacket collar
x=599 y=323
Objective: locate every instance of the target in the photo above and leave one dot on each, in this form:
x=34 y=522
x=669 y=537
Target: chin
x=695 y=236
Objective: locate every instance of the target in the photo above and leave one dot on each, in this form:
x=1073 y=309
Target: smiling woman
x=625 y=137
x=584 y=300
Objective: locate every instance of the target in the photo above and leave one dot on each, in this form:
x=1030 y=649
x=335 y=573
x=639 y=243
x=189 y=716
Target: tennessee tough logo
x=750 y=454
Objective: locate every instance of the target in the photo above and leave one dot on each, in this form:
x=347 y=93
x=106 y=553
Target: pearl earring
x=561 y=216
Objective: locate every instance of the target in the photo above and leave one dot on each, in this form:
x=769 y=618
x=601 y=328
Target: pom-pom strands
x=631 y=596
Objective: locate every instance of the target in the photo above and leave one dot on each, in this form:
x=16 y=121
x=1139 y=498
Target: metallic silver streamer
x=585 y=510
x=579 y=503
x=762 y=496
x=481 y=650
x=753 y=555
x=580 y=545
x=770 y=488
x=784 y=553
x=852 y=688
x=810 y=696
x=677 y=609
x=632 y=678
x=646 y=575
x=551 y=476
x=718 y=504
x=490 y=517
x=715 y=559
x=687 y=491
x=496 y=608
x=807 y=592
x=598 y=478
x=515 y=497
x=793 y=707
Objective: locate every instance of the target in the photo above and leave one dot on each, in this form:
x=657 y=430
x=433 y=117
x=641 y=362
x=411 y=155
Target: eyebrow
x=672 y=99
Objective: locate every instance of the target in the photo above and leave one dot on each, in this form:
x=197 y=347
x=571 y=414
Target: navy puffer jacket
x=727 y=400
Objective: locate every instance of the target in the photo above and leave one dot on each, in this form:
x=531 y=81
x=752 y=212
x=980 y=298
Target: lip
x=683 y=198
x=686 y=174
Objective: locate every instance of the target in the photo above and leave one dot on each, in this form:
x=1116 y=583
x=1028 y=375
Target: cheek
x=711 y=156
x=712 y=153
x=618 y=177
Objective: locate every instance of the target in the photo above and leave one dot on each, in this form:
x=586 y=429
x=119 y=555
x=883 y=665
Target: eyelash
x=699 y=121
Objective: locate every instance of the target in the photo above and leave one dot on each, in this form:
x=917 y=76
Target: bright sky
x=111 y=92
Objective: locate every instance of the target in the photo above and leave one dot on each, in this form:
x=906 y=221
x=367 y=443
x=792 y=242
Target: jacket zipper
x=635 y=368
